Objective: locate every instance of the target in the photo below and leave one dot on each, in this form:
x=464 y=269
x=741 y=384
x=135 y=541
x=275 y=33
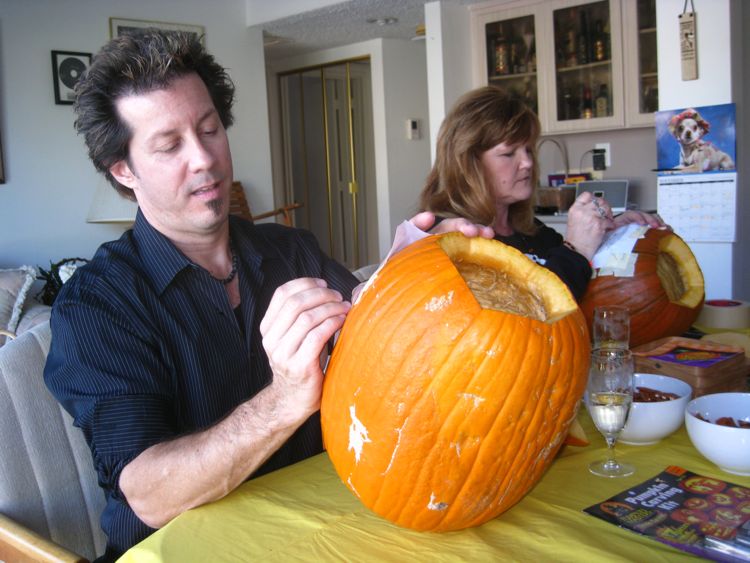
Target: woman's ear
x=121 y=171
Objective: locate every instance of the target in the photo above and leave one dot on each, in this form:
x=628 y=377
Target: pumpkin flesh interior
x=679 y=272
x=503 y=279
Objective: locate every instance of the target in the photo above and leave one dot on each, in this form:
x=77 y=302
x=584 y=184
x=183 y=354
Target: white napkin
x=615 y=252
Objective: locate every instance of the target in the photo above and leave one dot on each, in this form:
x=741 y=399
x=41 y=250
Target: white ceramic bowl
x=727 y=447
x=650 y=422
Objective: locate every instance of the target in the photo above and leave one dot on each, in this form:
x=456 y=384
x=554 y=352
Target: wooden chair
x=238 y=202
x=238 y=206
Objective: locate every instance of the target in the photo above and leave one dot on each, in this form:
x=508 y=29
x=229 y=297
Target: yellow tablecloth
x=305 y=513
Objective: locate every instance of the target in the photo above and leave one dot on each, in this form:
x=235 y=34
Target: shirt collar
x=251 y=244
x=162 y=260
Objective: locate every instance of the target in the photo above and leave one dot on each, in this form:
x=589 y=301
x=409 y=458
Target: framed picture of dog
x=697 y=139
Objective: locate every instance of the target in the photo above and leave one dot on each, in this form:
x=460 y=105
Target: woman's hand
x=589 y=219
x=425 y=220
x=641 y=218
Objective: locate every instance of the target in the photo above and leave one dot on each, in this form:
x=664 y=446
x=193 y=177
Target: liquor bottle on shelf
x=515 y=57
x=599 y=47
x=605 y=38
x=528 y=98
x=583 y=39
x=528 y=42
x=571 y=52
x=602 y=101
x=567 y=107
x=587 y=106
x=502 y=53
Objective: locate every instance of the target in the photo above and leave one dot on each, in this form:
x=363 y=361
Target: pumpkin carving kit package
x=454 y=382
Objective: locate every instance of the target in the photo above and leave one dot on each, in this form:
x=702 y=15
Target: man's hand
x=302 y=316
x=425 y=220
x=173 y=476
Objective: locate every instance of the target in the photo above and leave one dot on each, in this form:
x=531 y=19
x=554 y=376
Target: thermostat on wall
x=412 y=129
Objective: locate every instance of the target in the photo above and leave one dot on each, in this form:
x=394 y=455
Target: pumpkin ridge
x=457 y=429
x=565 y=332
x=370 y=296
x=425 y=396
x=519 y=388
x=432 y=343
x=517 y=336
x=524 y=461
x=443 y=371
x=521 y=465
x=490 y=441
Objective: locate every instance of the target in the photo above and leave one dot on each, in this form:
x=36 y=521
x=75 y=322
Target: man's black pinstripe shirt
x=145 y=347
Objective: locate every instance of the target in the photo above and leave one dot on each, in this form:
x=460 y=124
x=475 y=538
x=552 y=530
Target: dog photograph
x=696 y=139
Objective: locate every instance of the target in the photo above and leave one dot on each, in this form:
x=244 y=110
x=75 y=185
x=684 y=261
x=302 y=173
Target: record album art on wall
x=121 y=26
x=67 y=68
x=2 y=168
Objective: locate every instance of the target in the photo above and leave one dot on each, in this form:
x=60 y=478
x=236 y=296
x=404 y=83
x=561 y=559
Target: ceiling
x=342 y=24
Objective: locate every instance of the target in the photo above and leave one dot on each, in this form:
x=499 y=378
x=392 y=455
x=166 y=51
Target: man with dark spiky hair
x=189 y=350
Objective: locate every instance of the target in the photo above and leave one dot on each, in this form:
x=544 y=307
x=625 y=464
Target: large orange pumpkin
x=664 y=290
x=438 y=411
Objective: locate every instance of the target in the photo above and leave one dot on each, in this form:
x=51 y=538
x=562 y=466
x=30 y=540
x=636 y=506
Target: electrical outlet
x=607 y=153
x=598 y=159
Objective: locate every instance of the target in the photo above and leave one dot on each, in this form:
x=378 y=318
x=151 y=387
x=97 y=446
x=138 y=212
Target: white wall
x=448 y=60
x=633 y=154
x=405 y=90
x=50 y=181
x=399 y=91
x=719 y=81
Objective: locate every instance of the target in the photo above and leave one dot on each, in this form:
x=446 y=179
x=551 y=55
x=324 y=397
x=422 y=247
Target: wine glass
x=609 y=395
x=611 y=327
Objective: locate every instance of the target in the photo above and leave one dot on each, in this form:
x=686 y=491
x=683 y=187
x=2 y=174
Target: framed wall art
x=2 y=167
x=121 y=26
x=67 y=68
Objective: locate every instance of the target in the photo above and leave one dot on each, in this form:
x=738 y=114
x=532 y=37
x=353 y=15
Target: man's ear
x=123 y=174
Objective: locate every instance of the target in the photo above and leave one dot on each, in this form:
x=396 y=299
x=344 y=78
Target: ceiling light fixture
x=270 y=40
x=383 y=21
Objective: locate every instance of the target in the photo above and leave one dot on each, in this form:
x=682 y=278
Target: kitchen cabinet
x=576 y=63
x=641 y=70
x=510 y=56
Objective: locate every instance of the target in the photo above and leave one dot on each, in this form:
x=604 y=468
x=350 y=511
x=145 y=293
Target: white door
x=329 y=158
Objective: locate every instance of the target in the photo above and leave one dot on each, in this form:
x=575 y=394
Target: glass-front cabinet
x=642 y=92
x=511 y=57
x=577 y=63
x=583 y=62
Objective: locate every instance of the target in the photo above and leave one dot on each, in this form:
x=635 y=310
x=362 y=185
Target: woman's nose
x=526 y=160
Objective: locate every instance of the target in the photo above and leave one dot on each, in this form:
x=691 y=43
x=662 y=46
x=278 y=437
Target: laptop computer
x=614 y=191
